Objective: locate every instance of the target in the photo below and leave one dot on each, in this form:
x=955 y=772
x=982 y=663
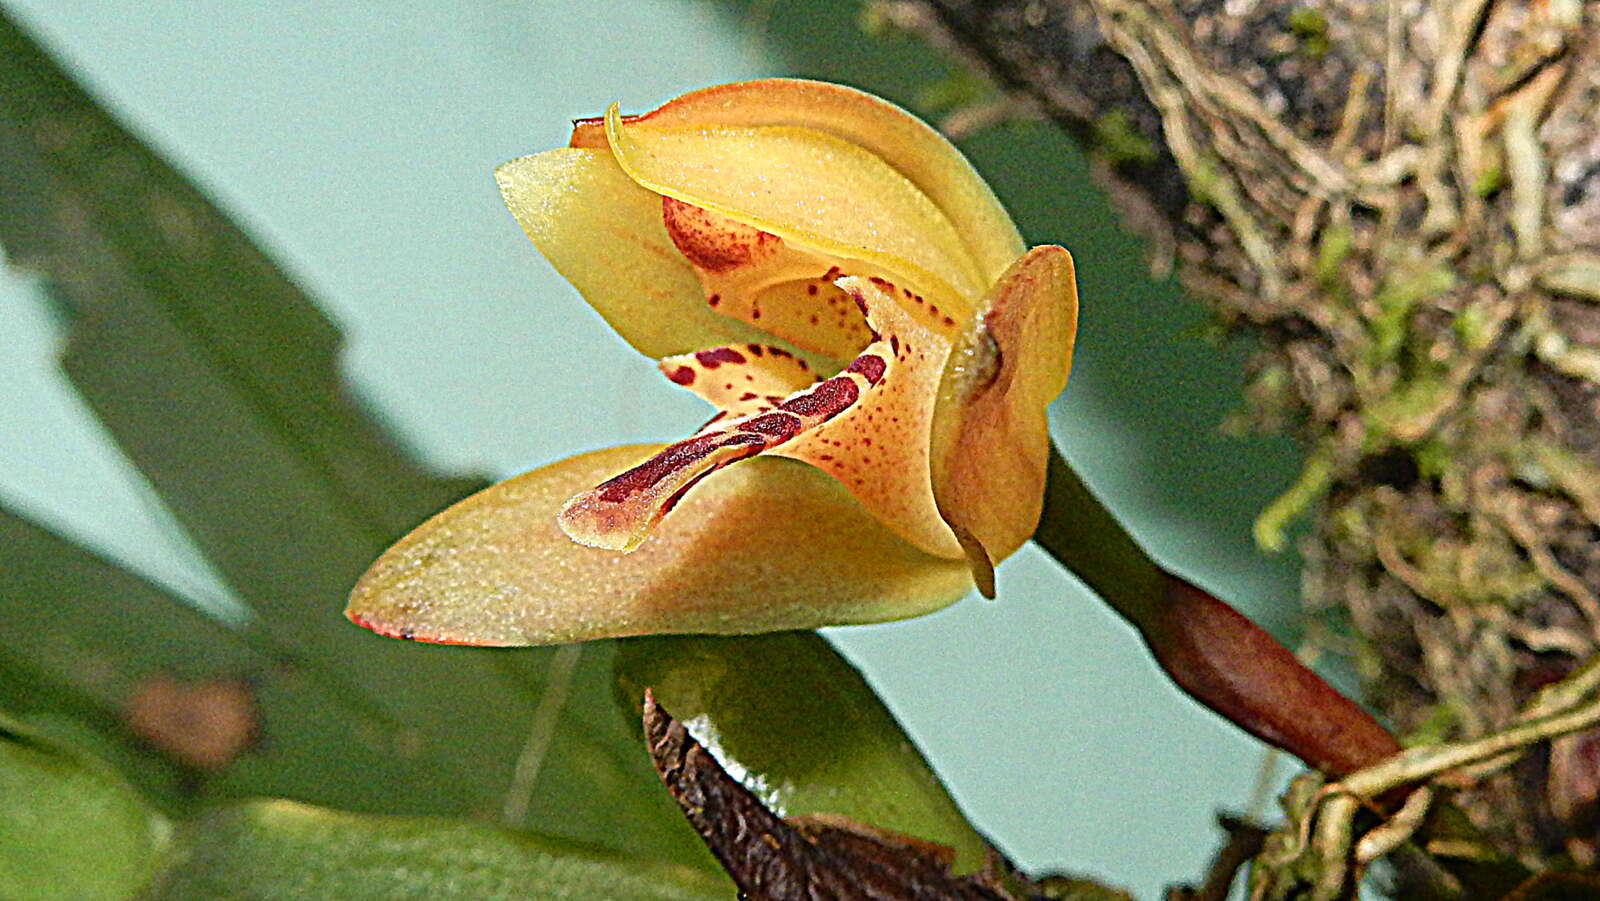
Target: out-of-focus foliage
x=73 y=827
x=216 y=376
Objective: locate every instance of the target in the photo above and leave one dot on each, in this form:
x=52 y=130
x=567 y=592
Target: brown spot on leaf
x=203 y=724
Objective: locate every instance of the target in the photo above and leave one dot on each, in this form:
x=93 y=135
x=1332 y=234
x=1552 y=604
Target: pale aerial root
x=1319 y=839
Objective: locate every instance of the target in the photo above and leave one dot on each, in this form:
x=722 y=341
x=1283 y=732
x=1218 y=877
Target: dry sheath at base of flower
x=832 y=277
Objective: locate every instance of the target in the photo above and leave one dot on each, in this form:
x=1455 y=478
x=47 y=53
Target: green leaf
x=282 y=851
x=798 y=726
x=69 y=826
x=217 y=376
x=86 y=637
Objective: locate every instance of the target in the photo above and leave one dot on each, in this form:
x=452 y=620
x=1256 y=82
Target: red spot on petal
x=827 y=400
x=712 y=242
x=811 y=290
x=748 y=396
x=716 y=356
x=713 y=300
x=683 y=375
x=778 y=427
x=754 y=349
x=870 y=366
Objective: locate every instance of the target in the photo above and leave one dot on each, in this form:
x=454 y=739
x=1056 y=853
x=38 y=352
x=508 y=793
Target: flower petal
x=571 y=201
x=808 y=187
x=866 y=426
x=990 y=441
x=878 y=447
x=916 y=151
x=740 y=380
x=768 y=545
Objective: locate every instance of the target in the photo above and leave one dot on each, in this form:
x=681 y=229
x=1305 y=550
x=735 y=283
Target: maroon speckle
x=683 y=375
x=949 y=321
x=861 y=302
x=830 y=398
x=678 y=456
x=812 y=290
x=870 y=366
x=779 y=352
x=777 y=427
x=748 y=396
x=711 y=242
x=754 y=349
x=831 y=274
x=894 y=344
x=713 y=300
x=716 y=356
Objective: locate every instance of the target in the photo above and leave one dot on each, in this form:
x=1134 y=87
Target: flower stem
x=1211 y=651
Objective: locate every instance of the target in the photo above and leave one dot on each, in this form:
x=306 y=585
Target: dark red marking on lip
x=827 y=400
x=894 y=344
x=861 y=302
x=831 y=274
x=621 y=487
x=777 y=427
x=811 y=290
x=713 y=300
x=754 y=349
x=716 y=356
x=779 y=352
x=749 y=395
x=683 y=375
x=870 y=366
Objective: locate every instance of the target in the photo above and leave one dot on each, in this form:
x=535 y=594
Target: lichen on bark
x=1401 y=200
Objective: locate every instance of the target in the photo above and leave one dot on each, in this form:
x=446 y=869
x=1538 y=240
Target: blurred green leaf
x=70 y=827
x=795 y=722
x=86 y=638
x=282 y=851
x=218 y=377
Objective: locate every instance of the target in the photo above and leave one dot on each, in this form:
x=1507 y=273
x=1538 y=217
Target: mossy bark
x=1402 y=201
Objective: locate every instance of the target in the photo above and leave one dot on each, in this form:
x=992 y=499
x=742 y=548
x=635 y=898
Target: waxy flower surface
x=838 y=283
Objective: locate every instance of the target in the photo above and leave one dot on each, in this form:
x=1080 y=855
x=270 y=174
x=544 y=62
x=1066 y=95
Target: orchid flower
x=878 y=345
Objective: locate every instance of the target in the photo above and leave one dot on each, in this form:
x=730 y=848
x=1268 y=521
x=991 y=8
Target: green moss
x=1114 y=135
x=1311 y=28
x=1333 y=245
x=1489 y=181
x=1396 y=298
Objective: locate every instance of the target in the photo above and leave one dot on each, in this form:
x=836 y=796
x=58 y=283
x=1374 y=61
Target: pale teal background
x=356 y=141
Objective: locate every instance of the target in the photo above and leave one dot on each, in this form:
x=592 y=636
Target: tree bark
x=1401 y=199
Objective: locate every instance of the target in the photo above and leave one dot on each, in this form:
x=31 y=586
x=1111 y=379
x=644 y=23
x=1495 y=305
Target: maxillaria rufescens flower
x=833 y=277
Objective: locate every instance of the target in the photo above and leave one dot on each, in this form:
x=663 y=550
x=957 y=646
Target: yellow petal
x=771 y=284
x=808 y=187
x=878 y=447
x=867 y=426
x=990 y=442
x=603 y=233
x=916 y=151
x=740 y=380
x=767 y=545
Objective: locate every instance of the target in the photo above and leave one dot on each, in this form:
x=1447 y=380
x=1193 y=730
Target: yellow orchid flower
x=833 y=277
